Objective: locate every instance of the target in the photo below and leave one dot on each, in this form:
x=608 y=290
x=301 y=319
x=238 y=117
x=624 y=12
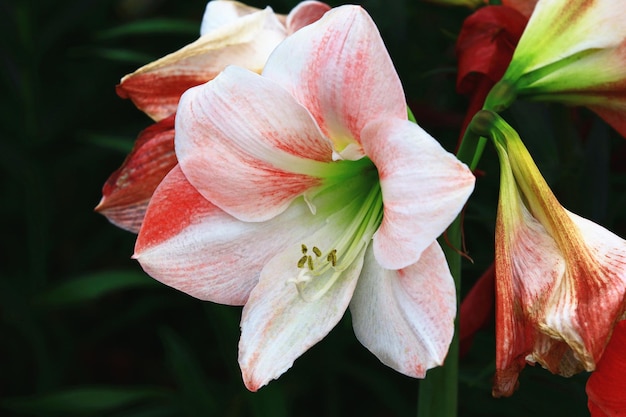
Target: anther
x=304 y=249
x=316 y=251
x=302 y=261
x=332 y=257
x=310 y=262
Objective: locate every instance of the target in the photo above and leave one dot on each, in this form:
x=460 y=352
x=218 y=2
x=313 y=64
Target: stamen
x=332 y=257
x=302 y=261
x=304 y=249
x=316 y=251
x=310 y=261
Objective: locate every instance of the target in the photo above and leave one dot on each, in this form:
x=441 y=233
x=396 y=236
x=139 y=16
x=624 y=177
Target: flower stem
x=438 y=392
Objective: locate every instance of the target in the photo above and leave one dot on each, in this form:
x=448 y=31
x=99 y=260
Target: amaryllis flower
x=560 y=278
x=607 y=385
x=231 y=33
x=572 y=51
x=305 y=190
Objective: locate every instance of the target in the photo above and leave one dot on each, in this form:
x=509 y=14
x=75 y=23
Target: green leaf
x=92 y=286
x=117 y=143
x=82 y=401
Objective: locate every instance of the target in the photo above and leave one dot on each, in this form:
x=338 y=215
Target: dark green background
x=84 y=332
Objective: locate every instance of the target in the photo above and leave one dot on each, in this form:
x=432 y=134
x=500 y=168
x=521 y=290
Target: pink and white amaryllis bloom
x=306 y=190
x=231 y=33
x=560 y=278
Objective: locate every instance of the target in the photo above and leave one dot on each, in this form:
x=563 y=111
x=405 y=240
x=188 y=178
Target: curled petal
x=248 y=146
x=188 y=243
x=339 y=69
x=248 y=41
x=128 y=190
x=304 y=14
x=406 y=317
x=424 y=188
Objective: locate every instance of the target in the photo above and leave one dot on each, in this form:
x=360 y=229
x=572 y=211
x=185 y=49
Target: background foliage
x=84 y=332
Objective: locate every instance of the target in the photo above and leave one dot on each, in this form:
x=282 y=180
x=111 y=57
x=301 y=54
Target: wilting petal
x=339 y=69
x=128 y=190
x=607 y=385
x=406 y=317
x=279 y=323
x=156 y=88
x=424 y=189
x=248 y=146
x=190 y=244
x=304 y=14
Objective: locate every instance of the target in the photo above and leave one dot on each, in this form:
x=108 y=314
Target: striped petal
x=156 y=88
x=406 y=317
x=188 y=243
x=339 y=69
x=248 y=146
x=424 y=188
x=127 y=192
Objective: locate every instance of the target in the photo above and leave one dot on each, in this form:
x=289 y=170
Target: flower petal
x=126 y=193
x=607 y=385
x=190 y=244
x=304 y=14
x=279 y=324
x=156 y=88
x=406 y=317
x=424 y=188
x=248 y=146
x=220 y=13
x=558 y=29
x=339 y=69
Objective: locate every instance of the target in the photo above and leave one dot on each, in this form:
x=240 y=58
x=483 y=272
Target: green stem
x=439 y=391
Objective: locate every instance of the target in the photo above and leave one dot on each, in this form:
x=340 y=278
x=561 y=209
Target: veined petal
x=248 y=146
x=606 y=386
x=406 y=317
x=339 y=69
x=188 y=243
x=558 y=29
x=424 y=188
x=128 y=190
x=279 y=323
x=248 y=41
x=304 y=14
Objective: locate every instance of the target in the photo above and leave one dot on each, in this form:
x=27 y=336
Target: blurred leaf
x=151 y=27
x=92 y=286
x=81 y=401
x=116 y=143
x=187 y=370
x=119 y=55
x=269 y=402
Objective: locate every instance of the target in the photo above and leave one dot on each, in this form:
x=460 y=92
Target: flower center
x=322 y=265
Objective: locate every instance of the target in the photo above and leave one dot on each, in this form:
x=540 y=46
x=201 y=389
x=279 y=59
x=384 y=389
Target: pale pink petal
x=278 y=325
x=188 y=243
x=424 y=188
x=128 y=190
x=248 y=41
x=406 y=317
x=248 y=146
x=304 y=14
x=220 y=13
x=339 y=69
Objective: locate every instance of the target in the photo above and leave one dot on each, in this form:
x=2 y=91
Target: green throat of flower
x=353 y=206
